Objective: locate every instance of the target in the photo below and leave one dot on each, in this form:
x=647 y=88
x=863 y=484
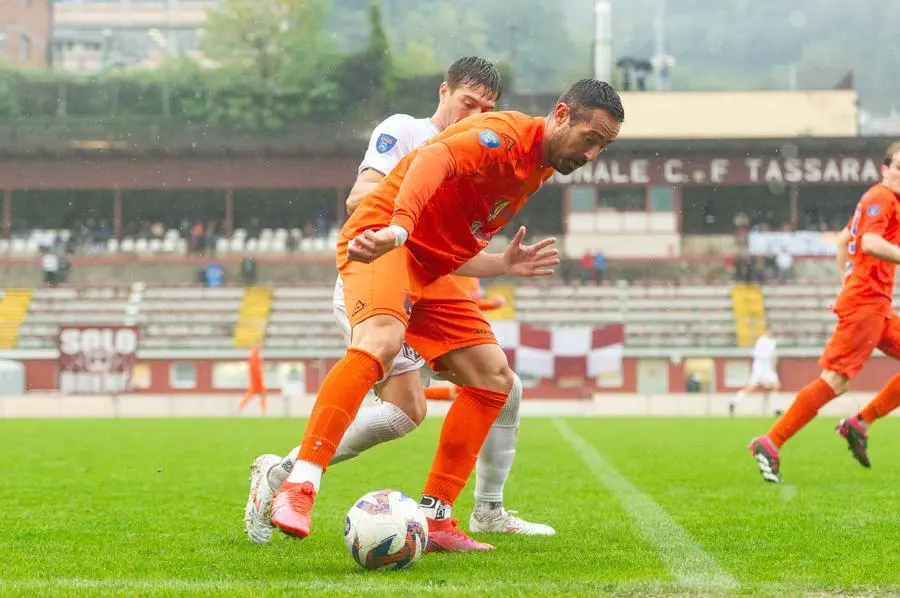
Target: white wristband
x=400 y=234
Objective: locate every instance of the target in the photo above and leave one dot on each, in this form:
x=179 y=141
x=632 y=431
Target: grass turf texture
x=155 y=507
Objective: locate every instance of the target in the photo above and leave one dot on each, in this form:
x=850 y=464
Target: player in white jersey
x=471 y=86
x=762 y=373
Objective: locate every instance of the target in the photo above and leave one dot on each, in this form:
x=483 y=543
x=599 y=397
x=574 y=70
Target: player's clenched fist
x=370 y=245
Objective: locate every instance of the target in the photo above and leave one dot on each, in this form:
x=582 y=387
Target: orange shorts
x=438 y=314
x=857 y=334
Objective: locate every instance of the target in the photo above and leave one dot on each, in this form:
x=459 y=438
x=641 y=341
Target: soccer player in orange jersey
x=435 y=211
x=256 y=384
x=867 y=257
x=471 y=85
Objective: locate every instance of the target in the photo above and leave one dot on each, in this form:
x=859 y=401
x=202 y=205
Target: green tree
x=270 y=49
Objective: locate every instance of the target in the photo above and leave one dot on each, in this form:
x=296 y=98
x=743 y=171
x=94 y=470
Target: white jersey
x=764 y=351
x=395 y=137
x=763 y=371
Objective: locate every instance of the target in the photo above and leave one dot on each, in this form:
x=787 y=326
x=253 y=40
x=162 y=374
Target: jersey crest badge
x=489 y=139
x=385 y=143
x=873 y=211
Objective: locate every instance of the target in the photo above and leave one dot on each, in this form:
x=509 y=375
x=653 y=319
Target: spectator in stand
x=50 y=265
x=215 y=275
x=587 y=267
x=254 y=229
x=248 y=270
x=65 y=268
x=784 y=261
x=195 y=242
x=158 y=230
x=212 y=238
x=321 y=226
x=599 y=267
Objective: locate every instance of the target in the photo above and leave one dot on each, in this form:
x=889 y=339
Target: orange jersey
x=470 y=285
x=869 y=281
x=459 y=195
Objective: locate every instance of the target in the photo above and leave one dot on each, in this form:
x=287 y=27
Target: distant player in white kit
x=762 y=374
x=471 y=86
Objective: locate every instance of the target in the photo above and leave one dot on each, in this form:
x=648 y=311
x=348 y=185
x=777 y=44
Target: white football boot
x=257 y=519
x=486 y=520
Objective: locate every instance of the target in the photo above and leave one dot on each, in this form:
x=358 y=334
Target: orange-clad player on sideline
x=436 y=210
x=867 y=257
x=257 y=385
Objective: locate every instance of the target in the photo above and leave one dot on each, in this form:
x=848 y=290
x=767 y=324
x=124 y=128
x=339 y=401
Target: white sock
x=280 y=472
x=373 y=426
x=434 y=508
x=304 y=471
x=498 y=452
x=738 y=397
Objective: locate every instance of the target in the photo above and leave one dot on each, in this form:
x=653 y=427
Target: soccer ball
x=385 y=530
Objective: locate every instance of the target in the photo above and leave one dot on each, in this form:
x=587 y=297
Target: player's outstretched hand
x=371 y=245
x=530 y=260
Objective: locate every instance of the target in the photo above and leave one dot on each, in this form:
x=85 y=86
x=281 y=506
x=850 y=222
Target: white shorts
x=408 y=360
x=763 y=374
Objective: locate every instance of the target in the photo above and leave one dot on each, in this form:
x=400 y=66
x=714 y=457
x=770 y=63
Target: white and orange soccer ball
x=385 y=529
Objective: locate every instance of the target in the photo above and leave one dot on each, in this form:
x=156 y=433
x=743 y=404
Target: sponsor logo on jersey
x=489 y=139
x=407 y=303
x=874 y=211
x=385 y=143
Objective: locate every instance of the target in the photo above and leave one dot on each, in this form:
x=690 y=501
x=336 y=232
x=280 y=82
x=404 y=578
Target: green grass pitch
x=650 y=507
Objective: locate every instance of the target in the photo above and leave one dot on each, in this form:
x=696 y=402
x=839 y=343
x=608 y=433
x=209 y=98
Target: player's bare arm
x=877 y=246
x=367 y=180
x=517 y=260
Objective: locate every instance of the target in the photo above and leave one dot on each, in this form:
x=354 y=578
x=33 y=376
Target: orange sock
x=464 y=431
x=887 y=399
x=810 y=399
x=341 y=394
x=440 y=393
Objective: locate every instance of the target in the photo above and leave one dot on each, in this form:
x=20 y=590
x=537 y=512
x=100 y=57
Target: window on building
x=582 y=198
x=662 y=199
x=182 y=375
x=623 y=200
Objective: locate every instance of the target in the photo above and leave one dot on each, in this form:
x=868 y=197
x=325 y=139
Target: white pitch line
x=692 y=566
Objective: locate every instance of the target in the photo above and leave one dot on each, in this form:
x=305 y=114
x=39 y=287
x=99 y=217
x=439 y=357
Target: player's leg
x=487 y=380
x=248 y=396
x=492 y=472
x=380 y=292
x=741 y=395
x=448 y=309
x=850 y=346
x=400 y=411
x=855 y=429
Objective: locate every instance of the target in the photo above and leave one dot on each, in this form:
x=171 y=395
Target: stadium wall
x=728 y=372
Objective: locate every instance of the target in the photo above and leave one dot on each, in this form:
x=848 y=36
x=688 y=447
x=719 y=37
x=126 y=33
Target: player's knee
x=382 y=337
x=839 y=383
x=499 y=378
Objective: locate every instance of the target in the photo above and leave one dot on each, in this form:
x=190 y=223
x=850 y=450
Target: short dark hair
x=475 y=72
x=590 y=94
x=890 y=153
